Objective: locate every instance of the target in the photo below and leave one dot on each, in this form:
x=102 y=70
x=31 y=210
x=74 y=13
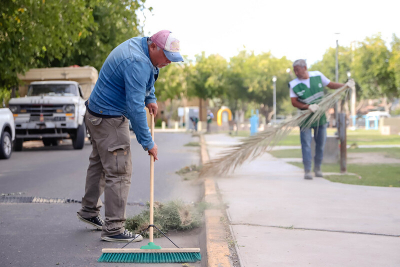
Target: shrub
x=158 y=122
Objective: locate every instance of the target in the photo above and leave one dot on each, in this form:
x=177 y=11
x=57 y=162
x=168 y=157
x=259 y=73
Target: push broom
x=151 y=253
x=254 y=146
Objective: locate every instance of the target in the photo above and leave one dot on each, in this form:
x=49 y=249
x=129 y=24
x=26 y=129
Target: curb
x=217 y=247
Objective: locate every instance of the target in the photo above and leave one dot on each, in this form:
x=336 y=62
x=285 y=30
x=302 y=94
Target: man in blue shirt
x=125 y=86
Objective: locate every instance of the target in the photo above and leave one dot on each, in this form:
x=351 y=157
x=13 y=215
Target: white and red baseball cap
x=169 y=43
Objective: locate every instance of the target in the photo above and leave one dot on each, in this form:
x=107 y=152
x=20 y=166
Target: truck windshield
x=53 y=90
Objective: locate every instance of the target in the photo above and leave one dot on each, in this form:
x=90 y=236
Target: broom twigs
x=254 y=146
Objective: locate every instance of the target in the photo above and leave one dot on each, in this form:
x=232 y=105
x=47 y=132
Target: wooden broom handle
x=151 y=183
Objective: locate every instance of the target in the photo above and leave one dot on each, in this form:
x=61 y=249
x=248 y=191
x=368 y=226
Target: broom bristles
x=254 y=146
x=156 y=257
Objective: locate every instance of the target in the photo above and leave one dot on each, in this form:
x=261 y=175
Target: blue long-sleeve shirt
x=126 y=85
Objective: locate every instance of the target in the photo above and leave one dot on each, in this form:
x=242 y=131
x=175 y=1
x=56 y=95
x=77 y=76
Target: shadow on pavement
x=32 y=146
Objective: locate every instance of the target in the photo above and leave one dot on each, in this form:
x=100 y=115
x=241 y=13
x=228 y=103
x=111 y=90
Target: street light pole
x=337 y=80
x=274 y=81
x=337 y=61
x=353 y=103
x=288 y=72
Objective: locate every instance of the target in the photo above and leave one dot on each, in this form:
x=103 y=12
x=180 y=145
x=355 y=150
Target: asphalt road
x=38 y=234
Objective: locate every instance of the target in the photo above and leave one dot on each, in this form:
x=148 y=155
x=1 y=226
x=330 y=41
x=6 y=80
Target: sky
x=295 y=29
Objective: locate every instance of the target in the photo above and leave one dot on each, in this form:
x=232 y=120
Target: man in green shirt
x=305 y=92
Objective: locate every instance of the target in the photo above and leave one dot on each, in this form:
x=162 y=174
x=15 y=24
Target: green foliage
x=328 y=63
x=371 y=68
x=245 y=82
x=207 y=77
x=192 y=144
x=296 y=153
x=172 y=81
x=386 y=175
x=5 y=96
x=250 y=79
x=203 y=205
x=33 y=29
x=360 y=137
x=187 y=169
x=50 y=33
x=394 y=61
x=113 y=22
x=396 y=112
x=286 y=107
x=158 y=123
x=173 y=215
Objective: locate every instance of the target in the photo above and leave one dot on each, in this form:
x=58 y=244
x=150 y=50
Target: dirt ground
x=360 y=158
x=372 y=157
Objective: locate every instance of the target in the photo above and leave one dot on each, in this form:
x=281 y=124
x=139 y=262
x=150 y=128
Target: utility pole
x=352 y=104
x=343 y=142
x=337 y=80
x=274 y=81
x=341 y=121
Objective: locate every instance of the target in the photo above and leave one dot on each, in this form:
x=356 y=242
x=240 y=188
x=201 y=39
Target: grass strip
x=192 y=144
x=296 y=153
x=385 y=175
x=360 y=137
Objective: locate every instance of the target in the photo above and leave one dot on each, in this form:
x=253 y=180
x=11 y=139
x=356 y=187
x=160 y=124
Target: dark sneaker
x=318 y=174
x=94 y=221
x=126 y=236
x=307 y=175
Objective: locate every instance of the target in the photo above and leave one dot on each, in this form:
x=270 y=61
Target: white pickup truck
x=7 y=133
x=51 y=111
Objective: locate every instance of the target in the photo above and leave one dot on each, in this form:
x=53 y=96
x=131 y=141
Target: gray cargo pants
x=109 y=171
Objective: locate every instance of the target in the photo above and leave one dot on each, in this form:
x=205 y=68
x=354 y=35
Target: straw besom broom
x=257 y=145
x=151 y=253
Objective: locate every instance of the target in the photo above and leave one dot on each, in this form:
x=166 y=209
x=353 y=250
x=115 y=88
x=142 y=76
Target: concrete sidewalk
x=279 y=219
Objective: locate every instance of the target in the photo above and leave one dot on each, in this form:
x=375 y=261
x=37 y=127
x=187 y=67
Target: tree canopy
x=374 y=67
x=371 y=68
x=207 y=78
x=246 y=79
x=114 y=21
x=50 y=33
x=328 y=63
x=394 y=61
x=31 y=29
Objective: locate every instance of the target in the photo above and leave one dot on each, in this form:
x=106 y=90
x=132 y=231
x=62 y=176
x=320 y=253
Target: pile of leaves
x=173 y=215
x=187 y=169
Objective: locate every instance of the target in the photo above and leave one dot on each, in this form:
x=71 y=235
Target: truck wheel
x=18 y=144
x=46 y=142
x=78 y=141
x=55 y=142
x=5 y=146
x=50 y=142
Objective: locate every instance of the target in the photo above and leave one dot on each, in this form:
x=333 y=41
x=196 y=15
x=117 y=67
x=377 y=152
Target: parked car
x=7 y=133
x=51 y=111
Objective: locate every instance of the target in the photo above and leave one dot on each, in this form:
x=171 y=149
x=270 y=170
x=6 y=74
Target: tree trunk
x=200 y=109
x=267 y=112
x=360 y=105
x=387 y=104
x=13 y=92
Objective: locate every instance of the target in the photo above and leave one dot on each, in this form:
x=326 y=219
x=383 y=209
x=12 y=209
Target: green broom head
x=150 y=254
